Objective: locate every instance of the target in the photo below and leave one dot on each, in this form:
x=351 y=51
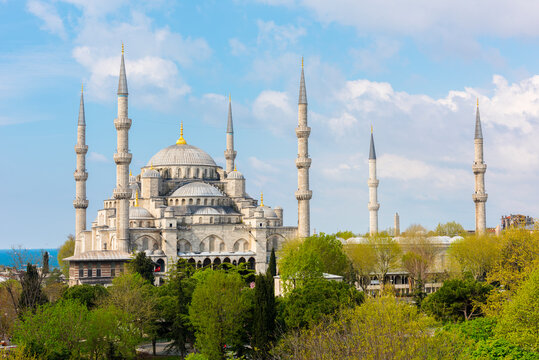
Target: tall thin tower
x=230 y=154
x=479 y=168
x=373 y=190
x=80 y=203
x=122 y=158
x=303 y=162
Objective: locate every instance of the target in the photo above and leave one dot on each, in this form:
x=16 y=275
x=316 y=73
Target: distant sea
x=33 y=255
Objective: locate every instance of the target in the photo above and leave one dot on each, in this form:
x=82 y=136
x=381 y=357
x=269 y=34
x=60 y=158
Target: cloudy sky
x=412 y=69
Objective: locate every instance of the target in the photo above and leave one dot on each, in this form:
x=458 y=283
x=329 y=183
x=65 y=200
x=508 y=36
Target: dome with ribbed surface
x=197 y=189
x=268 y=212
x=137 y=212
x=181 y=155
x=234 y=175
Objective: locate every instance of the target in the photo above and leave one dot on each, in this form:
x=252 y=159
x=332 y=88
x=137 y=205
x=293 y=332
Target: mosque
x=181 y=205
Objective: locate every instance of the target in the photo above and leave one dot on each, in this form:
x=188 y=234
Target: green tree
x=45 y=262
x=388 y=255
x=53 y=331
x=272 y=265
x=381 y=328
x=110 y=334
x=519 y=321
x=345 y=235
x=363 y=258
x=217 y=312
x=89 y=295
x=32 y=292
x=457 y=300
x=143 y=265
x=451 y=229
x=66 y=250
x=307 y=305
x=263 y=327
x=300 y=260
x=475 y=255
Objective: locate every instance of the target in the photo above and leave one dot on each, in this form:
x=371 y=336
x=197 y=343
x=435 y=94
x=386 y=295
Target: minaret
x=80 y=203
x=303 y=162
x=397 y=224
x=122 y=158
x=230 y=154
x=479 y=168
x=373 y=190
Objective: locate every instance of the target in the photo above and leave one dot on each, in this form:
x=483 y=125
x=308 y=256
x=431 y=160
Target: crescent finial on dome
x=181 y=140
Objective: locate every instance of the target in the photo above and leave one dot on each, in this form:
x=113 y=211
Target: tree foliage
x=217 y=312
x=345 y=235
x=300 y=260
x=143 y=265
x=32 y=292
x=381 y=328
x=264 y=313
x=307 y=305
x=88 y=295
x=457 y=300
x=388 y=254
x=475 y=255
x=363 y=258
x=450 y=229
x=66 y=250
x=272 y=265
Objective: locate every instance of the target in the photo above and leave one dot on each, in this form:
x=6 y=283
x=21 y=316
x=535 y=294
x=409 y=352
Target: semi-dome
x=151 y=173
x=137 y=212
x=207 y=211
x=234 y=175
x=268 y=212
x=181 y=155
x=197 y=189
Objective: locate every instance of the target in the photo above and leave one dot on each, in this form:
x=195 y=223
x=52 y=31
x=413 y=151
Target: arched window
x=144 y=244
x=160 y=265
x=190 y=201
x=183 y=201
x=198 y=201
x=200 y=220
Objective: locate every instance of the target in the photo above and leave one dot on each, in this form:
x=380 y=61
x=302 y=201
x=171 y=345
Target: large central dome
x=181 y=155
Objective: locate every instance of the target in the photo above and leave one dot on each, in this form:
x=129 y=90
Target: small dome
x=137 y=212
x=151 y=173
x=207 y=211
x=234 y=175
x=268 y=212
x=134 y=188
x=178 y=155
x=197 y=189
x=169 y=208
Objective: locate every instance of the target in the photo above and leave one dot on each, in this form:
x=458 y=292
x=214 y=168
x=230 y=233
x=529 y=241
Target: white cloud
x=280 y=35
x=237 y=48
x=262 y=166
x=372 y=59
x=46 y=12
x=97 y=157
x=274 y=109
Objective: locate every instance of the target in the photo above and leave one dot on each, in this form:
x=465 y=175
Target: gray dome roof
x=134 y=188
x=137 y=212
x=197 y=189
x=207 y=211
x=181 y=155
x=234 y=175
x=268 y=212
x=151 y=173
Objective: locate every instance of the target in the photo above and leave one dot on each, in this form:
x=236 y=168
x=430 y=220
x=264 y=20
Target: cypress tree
x=46 y=262
x=31 y=294
x=264 y=314
x=272 y=265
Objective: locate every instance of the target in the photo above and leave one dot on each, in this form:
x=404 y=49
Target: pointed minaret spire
x=303 y=162
x=122 y=81
x=373 y=182
x=80 y=203
x=302 y=89
x=122 y=193
x=230 y=153
x=479 y=168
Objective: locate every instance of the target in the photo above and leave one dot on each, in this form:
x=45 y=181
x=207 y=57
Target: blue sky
x=413 y=69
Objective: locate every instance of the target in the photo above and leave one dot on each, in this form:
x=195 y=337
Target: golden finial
x=130 y=173
x=81 y=87
x=181 y=140
x=229 y=97
x=235 y=167
x=262 y=198
x=478 y=102
x=371 y=128
x=151 y=165
x=122 y=47
x=302 y=62
x=136 y=198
